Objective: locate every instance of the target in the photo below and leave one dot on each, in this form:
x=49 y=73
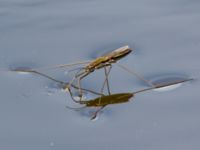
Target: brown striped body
x=108 y=59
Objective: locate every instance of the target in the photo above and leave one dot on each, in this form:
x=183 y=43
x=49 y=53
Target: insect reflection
x=118 y=98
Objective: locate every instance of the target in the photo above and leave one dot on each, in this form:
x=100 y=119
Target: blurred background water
x=165 y=37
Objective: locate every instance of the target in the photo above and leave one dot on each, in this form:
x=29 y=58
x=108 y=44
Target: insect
x=104 y=61
x=104 y=100
x=101 y=62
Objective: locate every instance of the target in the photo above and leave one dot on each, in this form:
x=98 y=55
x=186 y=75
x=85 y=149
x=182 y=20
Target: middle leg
x=106 y=81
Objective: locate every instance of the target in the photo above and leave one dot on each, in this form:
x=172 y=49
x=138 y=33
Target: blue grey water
x=165 y=37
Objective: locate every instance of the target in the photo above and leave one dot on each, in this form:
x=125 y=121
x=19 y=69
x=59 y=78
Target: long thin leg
x=163 y=85
x=96 y=112
x=80 y=77
x=77 y=75
x=72 y=97
x=39 y=73
x=55 y=80
x=136 y=75
x=63 y=65
x=106 y=81
x=68 y=86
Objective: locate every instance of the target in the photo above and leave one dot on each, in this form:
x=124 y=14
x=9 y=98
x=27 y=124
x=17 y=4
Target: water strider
x=104 y=61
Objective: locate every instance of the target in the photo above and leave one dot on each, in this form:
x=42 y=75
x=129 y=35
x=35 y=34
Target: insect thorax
x=98 y=63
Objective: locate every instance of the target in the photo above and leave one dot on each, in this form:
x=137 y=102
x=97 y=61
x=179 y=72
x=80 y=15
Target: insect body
x=108 y=59
x=101 y=62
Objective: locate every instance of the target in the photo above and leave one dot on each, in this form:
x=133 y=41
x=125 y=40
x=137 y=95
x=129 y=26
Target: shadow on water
x=166 y=79
x=22 y=66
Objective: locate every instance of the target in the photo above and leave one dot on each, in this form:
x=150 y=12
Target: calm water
x=165 y=37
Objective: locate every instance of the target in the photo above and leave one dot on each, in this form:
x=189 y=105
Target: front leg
x=79 y=78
